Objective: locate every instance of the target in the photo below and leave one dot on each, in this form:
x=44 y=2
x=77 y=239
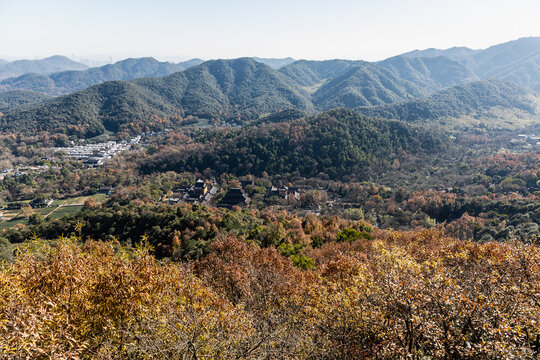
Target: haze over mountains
x=406 y=87
x=70 y=81
x=473 y=99
x=44 y=66
x=517 y=61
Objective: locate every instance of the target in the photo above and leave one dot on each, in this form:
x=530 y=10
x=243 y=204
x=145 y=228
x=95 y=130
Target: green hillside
x=365 y=85
x=477 y=98
x=15 y=99
x=309 y=72
x=70 y=81
x=239 y=89
x=337 y=143
x=517 y=61
x=430 y=73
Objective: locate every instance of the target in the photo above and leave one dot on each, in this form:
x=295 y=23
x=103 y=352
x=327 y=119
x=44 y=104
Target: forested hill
x=70 y=81
x=365 y=85
x=517 y=61
x=15 y=99
x=44 y=66
x=275 y=63
x=430 y=73
x=233 y=89
x=476 y=98
x=310 y=72
x=242 y=90
x=337 y=143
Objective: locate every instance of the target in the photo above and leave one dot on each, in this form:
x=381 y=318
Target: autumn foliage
x=414 y=295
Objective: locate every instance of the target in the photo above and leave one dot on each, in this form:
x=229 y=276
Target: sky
x=302 y=29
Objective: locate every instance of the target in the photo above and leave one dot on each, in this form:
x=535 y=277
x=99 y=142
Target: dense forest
x=15 y=99
x=337 y=143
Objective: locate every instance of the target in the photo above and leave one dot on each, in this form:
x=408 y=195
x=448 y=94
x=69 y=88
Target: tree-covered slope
x=15 y=99
x=229 y=89
x=365 y=85
x=517 y=61
x=275 y=63
x=310 y=72
x=430 y=73
x=475 y=98
x=337 y=143
x=460 y=54
x=30 y=82
x=70 y=81
x=44 y=66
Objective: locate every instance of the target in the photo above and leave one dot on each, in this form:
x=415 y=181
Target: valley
x=272 y=208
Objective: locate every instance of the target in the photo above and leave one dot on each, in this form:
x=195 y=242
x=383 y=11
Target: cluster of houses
x=528 y=140
x=22 y=170
x=202 y=192
x=97 y=154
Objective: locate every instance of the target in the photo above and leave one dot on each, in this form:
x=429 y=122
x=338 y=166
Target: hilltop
x=479 y=98
x=237 y=89
x=70 y=81
x=338 y=142
x=44 y=66
x=517 y=61
x=243 y=90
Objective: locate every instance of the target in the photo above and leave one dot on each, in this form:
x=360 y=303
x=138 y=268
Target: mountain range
x=66 y=82
x=440 y=83
x=478 y=98
x=517 y=61
x=48 y=65
x=236 y=89
x=275 y=63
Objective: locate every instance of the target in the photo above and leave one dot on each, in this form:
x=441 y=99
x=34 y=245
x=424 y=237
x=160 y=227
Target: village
x=97 y=154
x=526 y=142
x=204 y=193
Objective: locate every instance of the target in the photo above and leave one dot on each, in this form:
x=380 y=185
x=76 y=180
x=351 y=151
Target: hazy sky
x=369 y=30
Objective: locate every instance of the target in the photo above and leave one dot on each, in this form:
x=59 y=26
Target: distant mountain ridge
x=48 y=65
x=234 y=89
x=275 y=63
x=312 y=72
x=70 y=81
x=368 y=84
x=517 y=61
x=365 y=85
x=241 y=90
x=475 y=98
